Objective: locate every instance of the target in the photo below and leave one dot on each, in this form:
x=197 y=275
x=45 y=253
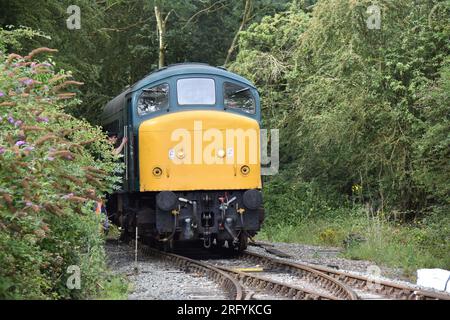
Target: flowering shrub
x=53 y=167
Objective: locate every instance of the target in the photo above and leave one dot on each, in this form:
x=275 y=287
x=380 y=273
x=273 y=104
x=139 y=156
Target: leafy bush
x=328 y=236
x=53 y=168
x=288 y=200
x=357 y=106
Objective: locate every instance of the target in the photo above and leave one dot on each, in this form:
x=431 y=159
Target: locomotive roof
x=186 y=68
x=169 y=71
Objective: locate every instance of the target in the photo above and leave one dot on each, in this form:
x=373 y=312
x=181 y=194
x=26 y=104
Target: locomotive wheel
x=123 y=237
x=243 y=242
x=168 y=246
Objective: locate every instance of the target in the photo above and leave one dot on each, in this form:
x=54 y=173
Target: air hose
x=174 y=230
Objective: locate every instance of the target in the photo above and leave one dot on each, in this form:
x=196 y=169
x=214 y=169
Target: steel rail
x=233 y=281
x=325 y=281
x=233 y=288
x=359 y=282
x=382 y=287
x=277 y=287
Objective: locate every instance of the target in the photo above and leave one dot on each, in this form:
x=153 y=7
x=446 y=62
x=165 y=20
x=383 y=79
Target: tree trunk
x=161 y=23
x=245 y=18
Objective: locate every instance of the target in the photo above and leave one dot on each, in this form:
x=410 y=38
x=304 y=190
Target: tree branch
x=245 y=19
x=205 y=9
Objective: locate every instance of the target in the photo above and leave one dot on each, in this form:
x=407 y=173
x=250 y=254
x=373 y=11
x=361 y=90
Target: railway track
x=244 y=285
x=234 y=290
x=326 y=283
x=381 y=287
x=255 y=284
x=361 y=284
x=327 y=287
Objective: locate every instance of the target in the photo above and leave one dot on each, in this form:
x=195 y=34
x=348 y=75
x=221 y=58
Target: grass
x=115 y=288
x=424 y=244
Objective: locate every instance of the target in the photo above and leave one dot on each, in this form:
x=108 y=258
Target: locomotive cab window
x=196 y=91
x=238 y=97
x=112 y=128
x=153 y=99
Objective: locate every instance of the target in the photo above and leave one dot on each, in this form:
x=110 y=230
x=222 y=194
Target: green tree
x=348 y=98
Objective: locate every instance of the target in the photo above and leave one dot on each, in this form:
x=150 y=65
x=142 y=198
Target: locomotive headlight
x=221 y=153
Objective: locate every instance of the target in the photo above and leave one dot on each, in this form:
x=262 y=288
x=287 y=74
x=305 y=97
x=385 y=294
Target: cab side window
x=238 y=97
x=153 y=99
x=112 y=128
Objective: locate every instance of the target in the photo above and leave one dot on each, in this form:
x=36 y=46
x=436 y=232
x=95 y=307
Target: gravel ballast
x=156 y=279
x=329 y=257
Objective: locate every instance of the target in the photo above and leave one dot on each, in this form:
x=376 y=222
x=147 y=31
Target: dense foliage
x=363 y=112
x=364 y=124
x=117 y=43
x=53 y=167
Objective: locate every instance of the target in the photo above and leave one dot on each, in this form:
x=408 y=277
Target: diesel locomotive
x=192 y=161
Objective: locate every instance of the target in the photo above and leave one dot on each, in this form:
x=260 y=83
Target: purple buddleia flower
x=20 y=143
x=18 y=123
x=28 y=81
x=11 y=119
x=50 y=158
x=67 y=196
x=2 y=93
x=29 y=203
x=30 y=148
x=2 y=150
x=42 y=119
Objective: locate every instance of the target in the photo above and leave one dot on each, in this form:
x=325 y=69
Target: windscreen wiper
x=152 y=90
x=239 y=91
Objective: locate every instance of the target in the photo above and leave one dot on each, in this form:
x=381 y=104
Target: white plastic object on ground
x=438 y=279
